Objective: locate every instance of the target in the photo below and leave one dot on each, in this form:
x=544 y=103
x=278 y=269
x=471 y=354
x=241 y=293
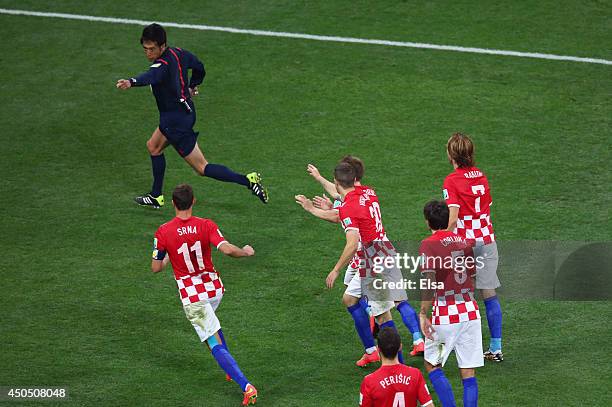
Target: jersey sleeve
x=197 y=69
x=153 y=76
x=365 y=398
x=215 y=237
x=348 y=218
x=449 y=189
x=422 y=391
x=159 y=248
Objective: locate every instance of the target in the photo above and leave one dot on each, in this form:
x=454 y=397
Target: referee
x=169 y=79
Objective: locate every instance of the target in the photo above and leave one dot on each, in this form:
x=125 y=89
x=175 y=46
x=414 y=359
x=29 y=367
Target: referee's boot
x=256 y=186
x=150 y=200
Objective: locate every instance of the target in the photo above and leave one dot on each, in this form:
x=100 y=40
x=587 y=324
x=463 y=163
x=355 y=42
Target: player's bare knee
x=384 y=317
x=153 y=147
x=430 y=368
x=467 y=373
x=349 y=300
x=488 y=293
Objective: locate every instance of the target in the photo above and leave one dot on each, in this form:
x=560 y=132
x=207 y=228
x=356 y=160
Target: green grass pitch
x=79 y=305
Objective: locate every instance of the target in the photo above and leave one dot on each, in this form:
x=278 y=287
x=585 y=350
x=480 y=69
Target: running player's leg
x=155 y=145
x=411 y=320
x=351 y=300
x=214 y=303
x=487 y=281
x=470 y=387
x=386 y=320
x=468 y=350
x=206 y=324
x=196 y=159
x=440 y=384
x=363 y=301
x=360 y=318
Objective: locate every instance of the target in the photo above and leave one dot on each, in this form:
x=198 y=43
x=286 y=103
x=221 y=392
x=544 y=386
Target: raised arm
x=153 y=76
x=328 y=186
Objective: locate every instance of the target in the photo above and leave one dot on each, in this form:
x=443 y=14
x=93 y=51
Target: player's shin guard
x=391 y=324
x=158 y=164
x=411 y=320
x=362 y=325
x=222 y=173
x=442 y=387
x=470 y=392
x=229 y=365
x=494 y=319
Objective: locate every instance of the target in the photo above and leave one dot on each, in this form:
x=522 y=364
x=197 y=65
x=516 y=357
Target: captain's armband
x=159 y=254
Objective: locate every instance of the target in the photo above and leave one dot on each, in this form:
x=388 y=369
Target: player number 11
x=197 y=248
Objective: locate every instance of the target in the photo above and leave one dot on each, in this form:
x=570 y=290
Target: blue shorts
x=177 y=127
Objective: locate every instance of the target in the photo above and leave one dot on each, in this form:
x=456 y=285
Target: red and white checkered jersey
x=468 y=189
x=393 y=386
x=451 y=258
x=188 y=244
x=376 y=250
x=360 y=211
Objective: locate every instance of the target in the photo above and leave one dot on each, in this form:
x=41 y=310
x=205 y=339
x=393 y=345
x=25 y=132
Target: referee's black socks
x=222 y=173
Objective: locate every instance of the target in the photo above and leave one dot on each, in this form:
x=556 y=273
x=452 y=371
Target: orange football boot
x=417 y=349
x=368 y=358
x=250 y=395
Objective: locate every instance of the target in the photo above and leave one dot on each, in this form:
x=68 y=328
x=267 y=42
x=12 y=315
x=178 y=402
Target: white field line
x=454 y=48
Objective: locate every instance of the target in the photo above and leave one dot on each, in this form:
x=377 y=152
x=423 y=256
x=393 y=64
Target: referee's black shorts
x=177 y=127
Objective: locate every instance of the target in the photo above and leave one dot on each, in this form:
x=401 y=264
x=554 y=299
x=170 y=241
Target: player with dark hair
x=448 y=264
x=186 y=242
x=468 y=196
x=361 y=220
x=393 y=384
x=322 y=207
x=169 y=79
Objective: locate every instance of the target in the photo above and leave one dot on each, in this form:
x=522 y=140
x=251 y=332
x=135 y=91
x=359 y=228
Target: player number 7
x=476 y=190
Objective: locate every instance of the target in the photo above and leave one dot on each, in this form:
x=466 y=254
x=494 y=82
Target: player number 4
x=398 y=400
x=197 y=248
x=478 y=190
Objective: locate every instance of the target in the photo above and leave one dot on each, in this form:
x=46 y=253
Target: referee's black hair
x=436 y=214
x=389 y=342
x=182 y=196
x=154 y=33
